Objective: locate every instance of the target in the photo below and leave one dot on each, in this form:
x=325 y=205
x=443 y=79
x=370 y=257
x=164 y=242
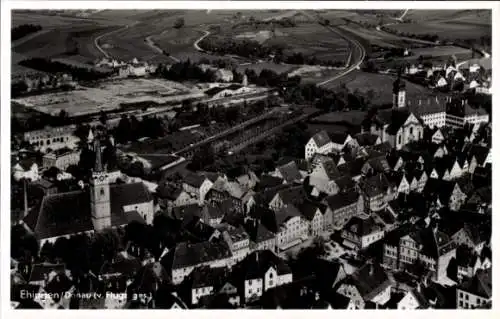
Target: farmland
x=445 y=30
x=379 y=85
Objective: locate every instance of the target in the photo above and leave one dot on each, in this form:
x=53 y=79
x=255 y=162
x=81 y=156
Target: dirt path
x=96 y=40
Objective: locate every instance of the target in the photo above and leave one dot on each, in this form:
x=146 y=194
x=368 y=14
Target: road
x=96 y=40
x=196 y=43
x=156 y=48
x=355 y=45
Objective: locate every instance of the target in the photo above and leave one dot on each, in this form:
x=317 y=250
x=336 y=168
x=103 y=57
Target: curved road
x=96 y=40
x=196 y=43
x=355 y=45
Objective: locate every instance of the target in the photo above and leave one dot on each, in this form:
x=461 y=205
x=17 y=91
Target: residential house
x=203 y=281
x=259 y=272
x=314 y=215
x=187 y=256
x=197 y=186
x=445 y=193
x=476 y=291
x=370 y=283
x=429 y=246
x=261 y=238
x=362 y=232
x=409 y=300
x=323 y=174
x=52 y=137
x=342 y=207
x=289 y=172
x=170 y=196
x=377 y=192
x=238 y=241
x=290 y=227
x=367 y=139
x=294 y=195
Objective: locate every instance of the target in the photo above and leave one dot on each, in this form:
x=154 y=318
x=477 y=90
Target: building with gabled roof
x=99 y=206
x=475 y=292
x=362 y=232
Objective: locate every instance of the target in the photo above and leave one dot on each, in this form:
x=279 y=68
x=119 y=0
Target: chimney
x=419 y=102
x=463 y=102
x=437 y=99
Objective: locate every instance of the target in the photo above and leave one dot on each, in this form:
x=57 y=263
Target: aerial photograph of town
x=251 y=159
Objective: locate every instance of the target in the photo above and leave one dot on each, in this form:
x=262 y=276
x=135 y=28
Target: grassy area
x=446 y=29
x=380 y=85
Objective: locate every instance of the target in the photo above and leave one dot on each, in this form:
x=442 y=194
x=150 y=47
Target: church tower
x=99 y=192
x=398 y=92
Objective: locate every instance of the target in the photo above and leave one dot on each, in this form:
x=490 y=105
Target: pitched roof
x=268 y=181
x=338 y=137
x=290 y=172
x=321 y=138
x=293 y=195
x=340 y=200
x=370 y=279
x=258 y=263
x=480 y=284
x=39 y=271
x=362 y=226
x=194 y=180
x=54 y=219
x=366 y=139
x=285 y=213
x=308 y=209
x=375 y=185
x=187 y=254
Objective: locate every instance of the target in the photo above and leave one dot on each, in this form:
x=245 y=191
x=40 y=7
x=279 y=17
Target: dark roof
x=268 y=181
x=39 y=271
x=362 y=226
x=158 y=161
x=338 y=301
x=386 y=217
x=345 y=183
x=342 y=200
x=375 y=185
x=258 y=233
x=187 y=212
x=122 y=264
x=168 y=191
x=366 y=139
x=187 y=254
x=321 y=138
x=258 y=262
x=370 y=280
x=338 y=137
x=479 y=151
x=285 y=213
x=308 y=209
x=480 y=284
x=290 y=172
x=150 y=277
x=193 y=179
x=206 y=276
x=54 y=219
x=292 y=195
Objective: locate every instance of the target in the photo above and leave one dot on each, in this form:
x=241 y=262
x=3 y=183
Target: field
x=446 y=29
x=108 y=96
x=379 y=84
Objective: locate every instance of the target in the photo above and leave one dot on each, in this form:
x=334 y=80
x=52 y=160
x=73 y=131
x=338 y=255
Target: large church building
x=101 y=205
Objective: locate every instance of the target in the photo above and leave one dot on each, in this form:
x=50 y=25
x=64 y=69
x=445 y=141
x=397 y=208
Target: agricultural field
x=379 y=84
x=446 y=29
x=109 y=96
x=475 y=16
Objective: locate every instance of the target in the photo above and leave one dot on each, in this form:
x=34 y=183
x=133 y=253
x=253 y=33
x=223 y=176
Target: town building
x=52 y=138
x=475 y=292
x=95 y=208
x=360 y=233
x=61 y=158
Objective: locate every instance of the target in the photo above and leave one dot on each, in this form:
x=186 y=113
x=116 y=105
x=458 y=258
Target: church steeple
x=100 y=192
x=399 y=91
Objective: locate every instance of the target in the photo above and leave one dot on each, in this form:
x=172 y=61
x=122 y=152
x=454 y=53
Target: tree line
x=253 y=49
x=23 y=30
x=78 y=73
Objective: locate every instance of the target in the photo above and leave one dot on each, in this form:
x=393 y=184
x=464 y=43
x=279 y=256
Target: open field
x=258 y=67
x=445 y=30
x=109 y=96
x=476 y=16
x=379 y=84
x=55 y=21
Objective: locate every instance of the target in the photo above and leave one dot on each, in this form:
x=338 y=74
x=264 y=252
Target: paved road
x=355 y=45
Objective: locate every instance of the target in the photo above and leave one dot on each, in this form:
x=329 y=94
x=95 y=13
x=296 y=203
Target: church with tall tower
x=398 y=92
x=99 y=206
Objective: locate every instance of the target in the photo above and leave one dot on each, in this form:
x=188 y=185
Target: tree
x=179 y=23
x=103 y=118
